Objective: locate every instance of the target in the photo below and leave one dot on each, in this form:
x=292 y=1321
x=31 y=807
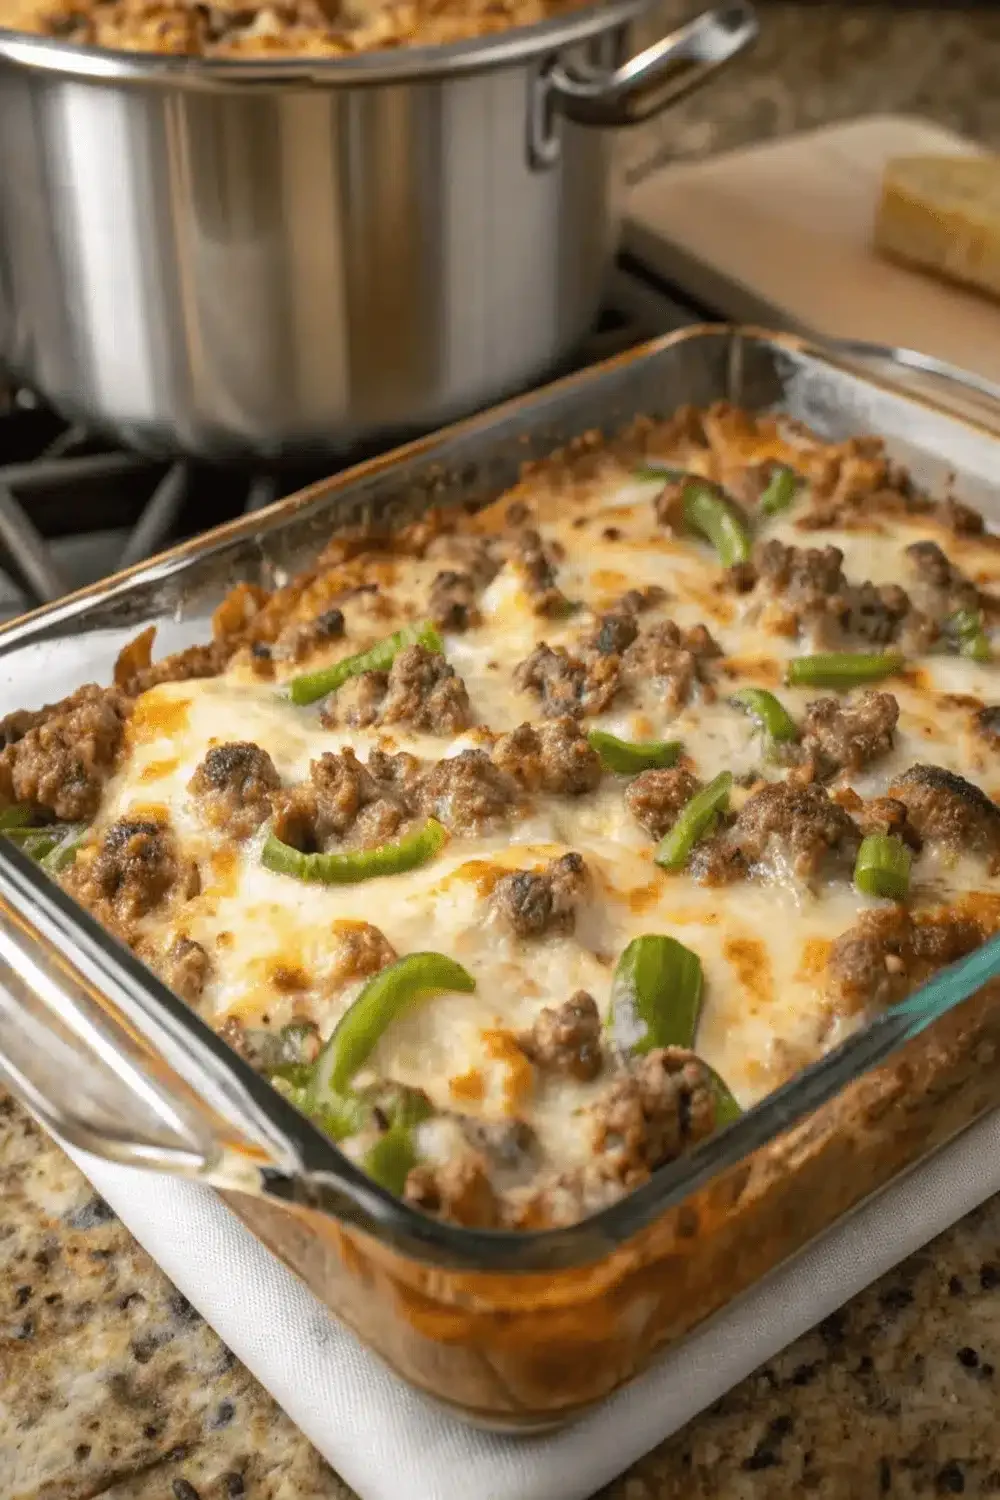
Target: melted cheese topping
x=762 y=943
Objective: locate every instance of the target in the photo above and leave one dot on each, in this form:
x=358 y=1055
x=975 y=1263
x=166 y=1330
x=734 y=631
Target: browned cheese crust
x=637 y=655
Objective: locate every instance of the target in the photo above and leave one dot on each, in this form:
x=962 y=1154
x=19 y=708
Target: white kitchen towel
x=387 y=1441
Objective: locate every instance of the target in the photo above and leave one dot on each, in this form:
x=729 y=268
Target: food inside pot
x=524 y=850
x=288 y=28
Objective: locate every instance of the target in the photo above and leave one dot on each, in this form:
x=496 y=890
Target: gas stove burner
x=74 y=509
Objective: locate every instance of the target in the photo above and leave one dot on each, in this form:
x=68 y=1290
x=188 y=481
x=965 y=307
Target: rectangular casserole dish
x=517 y=1331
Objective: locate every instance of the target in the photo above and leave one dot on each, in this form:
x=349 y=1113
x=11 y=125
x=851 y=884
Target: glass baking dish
x=516 y=1331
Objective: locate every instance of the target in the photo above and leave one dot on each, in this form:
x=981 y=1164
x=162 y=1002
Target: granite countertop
x=817 y=63
x=112 y=1386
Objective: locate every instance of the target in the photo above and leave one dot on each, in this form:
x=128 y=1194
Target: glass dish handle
x=79 y=1070
x=113 y=1063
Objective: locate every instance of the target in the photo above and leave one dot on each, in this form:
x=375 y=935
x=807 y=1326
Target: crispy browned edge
x=528 y=1351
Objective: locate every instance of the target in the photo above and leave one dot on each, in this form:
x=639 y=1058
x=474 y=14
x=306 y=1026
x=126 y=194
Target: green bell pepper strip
x=780 y=490
x=882 y=867
x=354 y=865
x=726 y=1108
x=655 y=995
x=772 y=716
x=392 y=1156
x=39 y=845
x=397 y=1103
x=631 y=756
x=63 y=851
x=709 y=512
x=966 y=629
x=339 y=1116
x=286 y=1053
x=842 y=669
x=52 y=845
x=693 y=822
x=390 y=1160
x=16 y=817
x=378 y=658
x=386 y=996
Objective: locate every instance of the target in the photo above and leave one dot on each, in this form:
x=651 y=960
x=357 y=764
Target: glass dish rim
x=428 y=1240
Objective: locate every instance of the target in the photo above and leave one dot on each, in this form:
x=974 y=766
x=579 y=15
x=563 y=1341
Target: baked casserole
x=523 y=849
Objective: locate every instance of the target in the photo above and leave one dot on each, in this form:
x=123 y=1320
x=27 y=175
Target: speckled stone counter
x=817 y=63
x=112 y=1386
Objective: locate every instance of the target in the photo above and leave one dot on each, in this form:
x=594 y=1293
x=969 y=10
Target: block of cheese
x=942 y=214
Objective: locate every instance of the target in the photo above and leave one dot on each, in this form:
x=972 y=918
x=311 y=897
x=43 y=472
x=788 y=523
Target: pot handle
x=657 y=77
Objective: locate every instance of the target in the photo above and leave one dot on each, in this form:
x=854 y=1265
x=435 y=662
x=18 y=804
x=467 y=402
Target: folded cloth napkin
x=373 y=1429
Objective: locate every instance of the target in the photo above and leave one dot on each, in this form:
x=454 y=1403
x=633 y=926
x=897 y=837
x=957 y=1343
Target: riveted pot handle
x=657 y=77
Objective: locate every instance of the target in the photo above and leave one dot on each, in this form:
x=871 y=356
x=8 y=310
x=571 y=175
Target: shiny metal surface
x=244 y=260
x=913 y=359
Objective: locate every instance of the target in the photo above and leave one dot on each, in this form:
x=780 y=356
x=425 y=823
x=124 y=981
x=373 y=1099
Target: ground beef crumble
x=888 y=953
x=803 y=575
x=852 y=479
x=848 y=735
x=60 y=758
x=459 y=1189
x=813 y=596
x=655 y=798
x=137 y=866
x=475 y=556
x=616 y=653
x=533 y=905
x=943 y=807
x=196 y=661
x=654 y=1109
x=344 y=801
x=420 y=689
x=661 y=1105
x=800 y=826
x=233 y=787
x=347 y=801
x=536 y=566
x=566 y=1038
x=467 y=792
x=672 y=660
x=882 y=815
x=452 y=601
x=185 y=967
x=614 y=633
x=555 y=757
x=568 y=684
x=944 y=587
x=360 y=950
x=299 y=640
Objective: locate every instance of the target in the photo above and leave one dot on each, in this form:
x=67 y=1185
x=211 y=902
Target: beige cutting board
x=780 y=234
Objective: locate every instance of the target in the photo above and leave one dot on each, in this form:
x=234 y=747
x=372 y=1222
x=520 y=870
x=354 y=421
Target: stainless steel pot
x=243 y=260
